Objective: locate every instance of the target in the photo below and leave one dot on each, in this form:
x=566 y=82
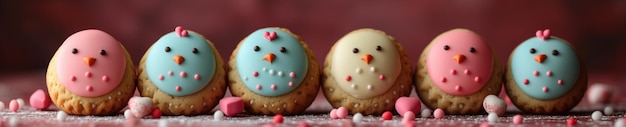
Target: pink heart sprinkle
x=543 y=35
x=348 y=78
x=181 y=33
x=270 y=35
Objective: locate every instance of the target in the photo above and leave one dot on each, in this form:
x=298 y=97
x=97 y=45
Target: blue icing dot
x=159 y=63
x=565 y=66
x=250 y=60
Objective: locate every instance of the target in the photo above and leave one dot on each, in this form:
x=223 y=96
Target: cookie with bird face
x=91 y=74
x=456 y=71
x=366 y=71
x=274 y=72
x=183 y=73
x=545 y=75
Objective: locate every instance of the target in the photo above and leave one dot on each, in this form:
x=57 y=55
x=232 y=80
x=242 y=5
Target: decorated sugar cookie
x=91 y=74
x=274 y=72
x=456 y=71
x=545 y=75
x=366 y=71
x=183 y=73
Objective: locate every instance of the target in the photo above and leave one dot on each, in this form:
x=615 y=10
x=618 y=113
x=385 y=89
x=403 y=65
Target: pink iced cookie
x=405 y=104
x=40 y=100
x=231 y=106
x=140 y=106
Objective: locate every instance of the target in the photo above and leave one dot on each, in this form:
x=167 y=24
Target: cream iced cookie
x=545 y=75
x=274 y=72
x=183 y=73
x=366 y=71
x=91 y=74
x=456 y=71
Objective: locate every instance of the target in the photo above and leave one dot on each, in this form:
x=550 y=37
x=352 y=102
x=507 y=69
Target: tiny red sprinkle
x=387 y=115
x=156 y=113
x=571 y=121
x=278 y=118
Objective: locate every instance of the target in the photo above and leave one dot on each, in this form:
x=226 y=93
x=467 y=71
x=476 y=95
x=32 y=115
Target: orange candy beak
x=179 y=59
x=459 y=58
x=367 y=58
x=540 y=58
x=89 y=61
x=269 y=57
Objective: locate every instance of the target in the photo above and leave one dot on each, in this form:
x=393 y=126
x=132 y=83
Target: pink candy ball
x=438 y=113
x=13 y=105
x=408 y=117
x=518 y=119
x=342 y=112
x=333 y=114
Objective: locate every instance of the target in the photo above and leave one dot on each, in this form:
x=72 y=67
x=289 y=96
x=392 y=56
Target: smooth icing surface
x=551 y=78
x=360 y=69
x=271 y=62
x=180 y=65
x=459 y=62
x=90 y=63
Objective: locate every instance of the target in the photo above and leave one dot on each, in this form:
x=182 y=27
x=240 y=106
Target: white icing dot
x=80 y=102
x=369 y=87
x=147 y=89
x=373 y=69
x=376 y=105
x=13 y=122
x=284 y=105
x=170 y=104
x=608 y=110
x=204 y=103
x=271 y=72
x=128 y=114
x=20 y=103
x=395 y=93
x=61 y=115
x=163 y=123
x=218 y=115
x=387 y=101
x=272 y=105
x=426 y=113
x=358 y=70
x=278 y=109
x=191 y=106
x=280 y=73
x=331 y=89
x=264 y=105
x=619 y=123
x=295 y=101
x=119 y=93
x=213 y=88
x=264 y=69
x=358 y=117
x=353 y=86
x=245 y=78
x=596 y=115
x=1 y=105
x=251 y=101
x=356 y=105
x=93 y=105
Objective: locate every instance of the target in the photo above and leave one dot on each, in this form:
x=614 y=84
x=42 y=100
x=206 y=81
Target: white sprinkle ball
x=13 y=122
x=492 y=118
x=218 y=115
x=619 y=123
x=608 y=110
x=20 y=102
x=358 y=117
x=426 y=113
x=128 y=114
x=596 y=115
x=61 y=115
x=1 y=105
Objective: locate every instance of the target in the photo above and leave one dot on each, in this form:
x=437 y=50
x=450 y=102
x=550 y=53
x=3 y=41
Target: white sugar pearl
x=619 y=123
x=218 y=115
x=20 y=102
x=1 y=105
x=61 y=115
x=596 y=115
x=128 y=114
x=492 y=118
x=163 y=123
x=608 y=110
x=426 y=113
x=358 y=117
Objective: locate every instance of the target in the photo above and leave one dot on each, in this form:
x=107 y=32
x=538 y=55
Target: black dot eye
x=472 y=50
x=532 y=51
x=168 y=49
x=194 y=50
x=355 y=50
x=74 y=51
x=283 y=49
x=257 y=48
x=555 y=52
x=446 y=47
x=102 y=52
x=378 y=48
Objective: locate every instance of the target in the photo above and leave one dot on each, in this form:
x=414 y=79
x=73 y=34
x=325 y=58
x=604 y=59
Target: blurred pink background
x=33 y=30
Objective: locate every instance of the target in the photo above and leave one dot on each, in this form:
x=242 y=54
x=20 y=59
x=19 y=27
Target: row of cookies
x=275 y=72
